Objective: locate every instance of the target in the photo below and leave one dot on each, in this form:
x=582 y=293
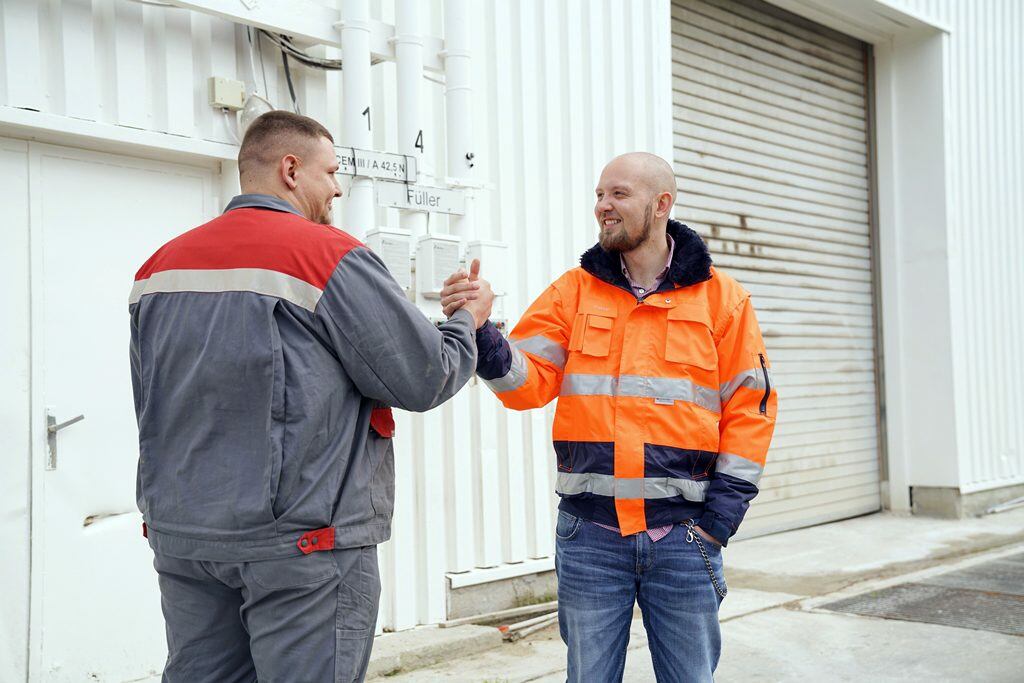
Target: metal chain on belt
x=693 y=535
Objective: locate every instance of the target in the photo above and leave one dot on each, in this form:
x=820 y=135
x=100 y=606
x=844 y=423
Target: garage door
x=772 y=164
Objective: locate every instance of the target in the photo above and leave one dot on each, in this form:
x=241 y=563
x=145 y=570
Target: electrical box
x=394 y=247
x=494 y=264
x=227 y=93
x=437 y=257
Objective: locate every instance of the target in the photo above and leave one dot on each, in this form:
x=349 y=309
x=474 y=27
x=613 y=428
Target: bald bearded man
x=665 y=412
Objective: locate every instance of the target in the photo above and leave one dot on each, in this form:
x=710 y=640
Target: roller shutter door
x=771 y=150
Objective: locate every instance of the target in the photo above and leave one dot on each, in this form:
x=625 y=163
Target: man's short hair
x=275 y=134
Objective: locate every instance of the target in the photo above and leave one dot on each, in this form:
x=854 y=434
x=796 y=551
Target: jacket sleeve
x=135 y=360
x=749 y=404
x=526 y=370
x=392 y=352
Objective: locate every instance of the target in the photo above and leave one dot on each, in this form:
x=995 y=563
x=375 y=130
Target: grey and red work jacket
x=266 y=353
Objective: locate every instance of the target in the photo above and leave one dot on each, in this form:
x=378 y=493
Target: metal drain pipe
x=408 y=42
x=458 y=107
x=355 y=104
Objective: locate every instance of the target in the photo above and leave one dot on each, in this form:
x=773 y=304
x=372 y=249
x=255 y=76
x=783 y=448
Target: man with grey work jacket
x=267 y=349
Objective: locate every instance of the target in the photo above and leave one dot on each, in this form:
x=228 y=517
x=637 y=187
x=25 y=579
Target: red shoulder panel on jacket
x=256 y=238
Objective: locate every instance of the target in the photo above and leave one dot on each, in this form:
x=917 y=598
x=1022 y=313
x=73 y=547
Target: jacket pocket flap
x=691 y=312
x=597 y=309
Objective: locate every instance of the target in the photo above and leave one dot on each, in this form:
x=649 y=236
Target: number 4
x=419 y=141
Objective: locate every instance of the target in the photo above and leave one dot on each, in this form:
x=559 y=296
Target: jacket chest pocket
x=688 y=337
x=592 y=333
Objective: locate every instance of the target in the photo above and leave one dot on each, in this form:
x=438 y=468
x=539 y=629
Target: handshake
x=467 y=290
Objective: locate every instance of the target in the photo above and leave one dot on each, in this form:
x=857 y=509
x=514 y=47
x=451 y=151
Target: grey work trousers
x=306 y=618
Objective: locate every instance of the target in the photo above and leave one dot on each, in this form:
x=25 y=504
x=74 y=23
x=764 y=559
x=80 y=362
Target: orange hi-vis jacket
x=666 y=405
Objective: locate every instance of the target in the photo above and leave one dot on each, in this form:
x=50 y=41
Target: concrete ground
x=774 y=626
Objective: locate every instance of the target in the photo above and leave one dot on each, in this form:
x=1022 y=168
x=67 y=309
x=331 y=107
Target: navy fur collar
x=691 y=261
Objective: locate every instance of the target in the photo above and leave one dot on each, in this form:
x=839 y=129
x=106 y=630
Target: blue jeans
x=602 y=574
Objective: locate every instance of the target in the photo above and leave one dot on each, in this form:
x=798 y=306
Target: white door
x=772 y=160
x=94 y=219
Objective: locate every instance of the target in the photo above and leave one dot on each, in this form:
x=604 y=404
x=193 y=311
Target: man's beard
x=620 y=241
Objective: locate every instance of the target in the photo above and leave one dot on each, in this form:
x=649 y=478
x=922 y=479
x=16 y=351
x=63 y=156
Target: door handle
x=51 y=436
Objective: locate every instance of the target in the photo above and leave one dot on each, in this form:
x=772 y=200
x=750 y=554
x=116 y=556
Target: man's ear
x=664 y=205
x=288 y=168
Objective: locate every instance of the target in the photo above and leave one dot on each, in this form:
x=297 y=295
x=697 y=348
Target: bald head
x=635 y=195
x=647 y=170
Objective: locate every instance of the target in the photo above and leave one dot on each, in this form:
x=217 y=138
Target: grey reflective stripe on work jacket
x=260 y=344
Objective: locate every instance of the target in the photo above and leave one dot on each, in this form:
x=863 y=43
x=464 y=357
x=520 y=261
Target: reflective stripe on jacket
x=666 y=405
x=265 y=353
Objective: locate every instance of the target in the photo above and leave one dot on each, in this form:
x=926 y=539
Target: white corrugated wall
x=553 y=103
x=985 y=177
x=121 y=63
x=560 y=87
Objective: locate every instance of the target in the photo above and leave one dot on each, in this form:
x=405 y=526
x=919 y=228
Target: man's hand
x=463 y=289
x=705 y=535
x=459 y=288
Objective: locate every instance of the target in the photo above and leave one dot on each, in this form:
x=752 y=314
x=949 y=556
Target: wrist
x=715 y=526
x=706 y=536
x=479 y=318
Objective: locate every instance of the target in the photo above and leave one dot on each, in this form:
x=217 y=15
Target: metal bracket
x=51 y=436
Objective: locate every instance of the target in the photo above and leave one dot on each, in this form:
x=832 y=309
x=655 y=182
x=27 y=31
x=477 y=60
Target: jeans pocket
x=711 y=555
x=567 y=526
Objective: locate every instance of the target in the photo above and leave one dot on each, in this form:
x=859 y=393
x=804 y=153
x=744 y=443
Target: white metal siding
x=141 y=66
x=548 y=115
x=553 y=103
x=985 y=157
x=771 y=154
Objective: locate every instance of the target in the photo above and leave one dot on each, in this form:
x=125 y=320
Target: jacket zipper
x=767 y=385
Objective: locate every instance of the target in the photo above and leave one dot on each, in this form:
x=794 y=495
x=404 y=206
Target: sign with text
x=421 y=198
x=383 y=165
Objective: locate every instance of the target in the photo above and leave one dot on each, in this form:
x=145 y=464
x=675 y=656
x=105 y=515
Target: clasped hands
x=468 y=291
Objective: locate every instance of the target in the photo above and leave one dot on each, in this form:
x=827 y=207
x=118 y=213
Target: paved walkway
x=775 y=623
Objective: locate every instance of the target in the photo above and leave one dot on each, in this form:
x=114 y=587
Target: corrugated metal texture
x=555 y=99
x=137 y=65
x=771 y=159
x=553 y=103
x=985 y=149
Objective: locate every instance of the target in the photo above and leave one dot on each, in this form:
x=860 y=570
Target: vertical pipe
x=428 y=462
x=409 y=57
x=462 y=485
x=458 y=100
x=355 y=103
x=460 y=156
